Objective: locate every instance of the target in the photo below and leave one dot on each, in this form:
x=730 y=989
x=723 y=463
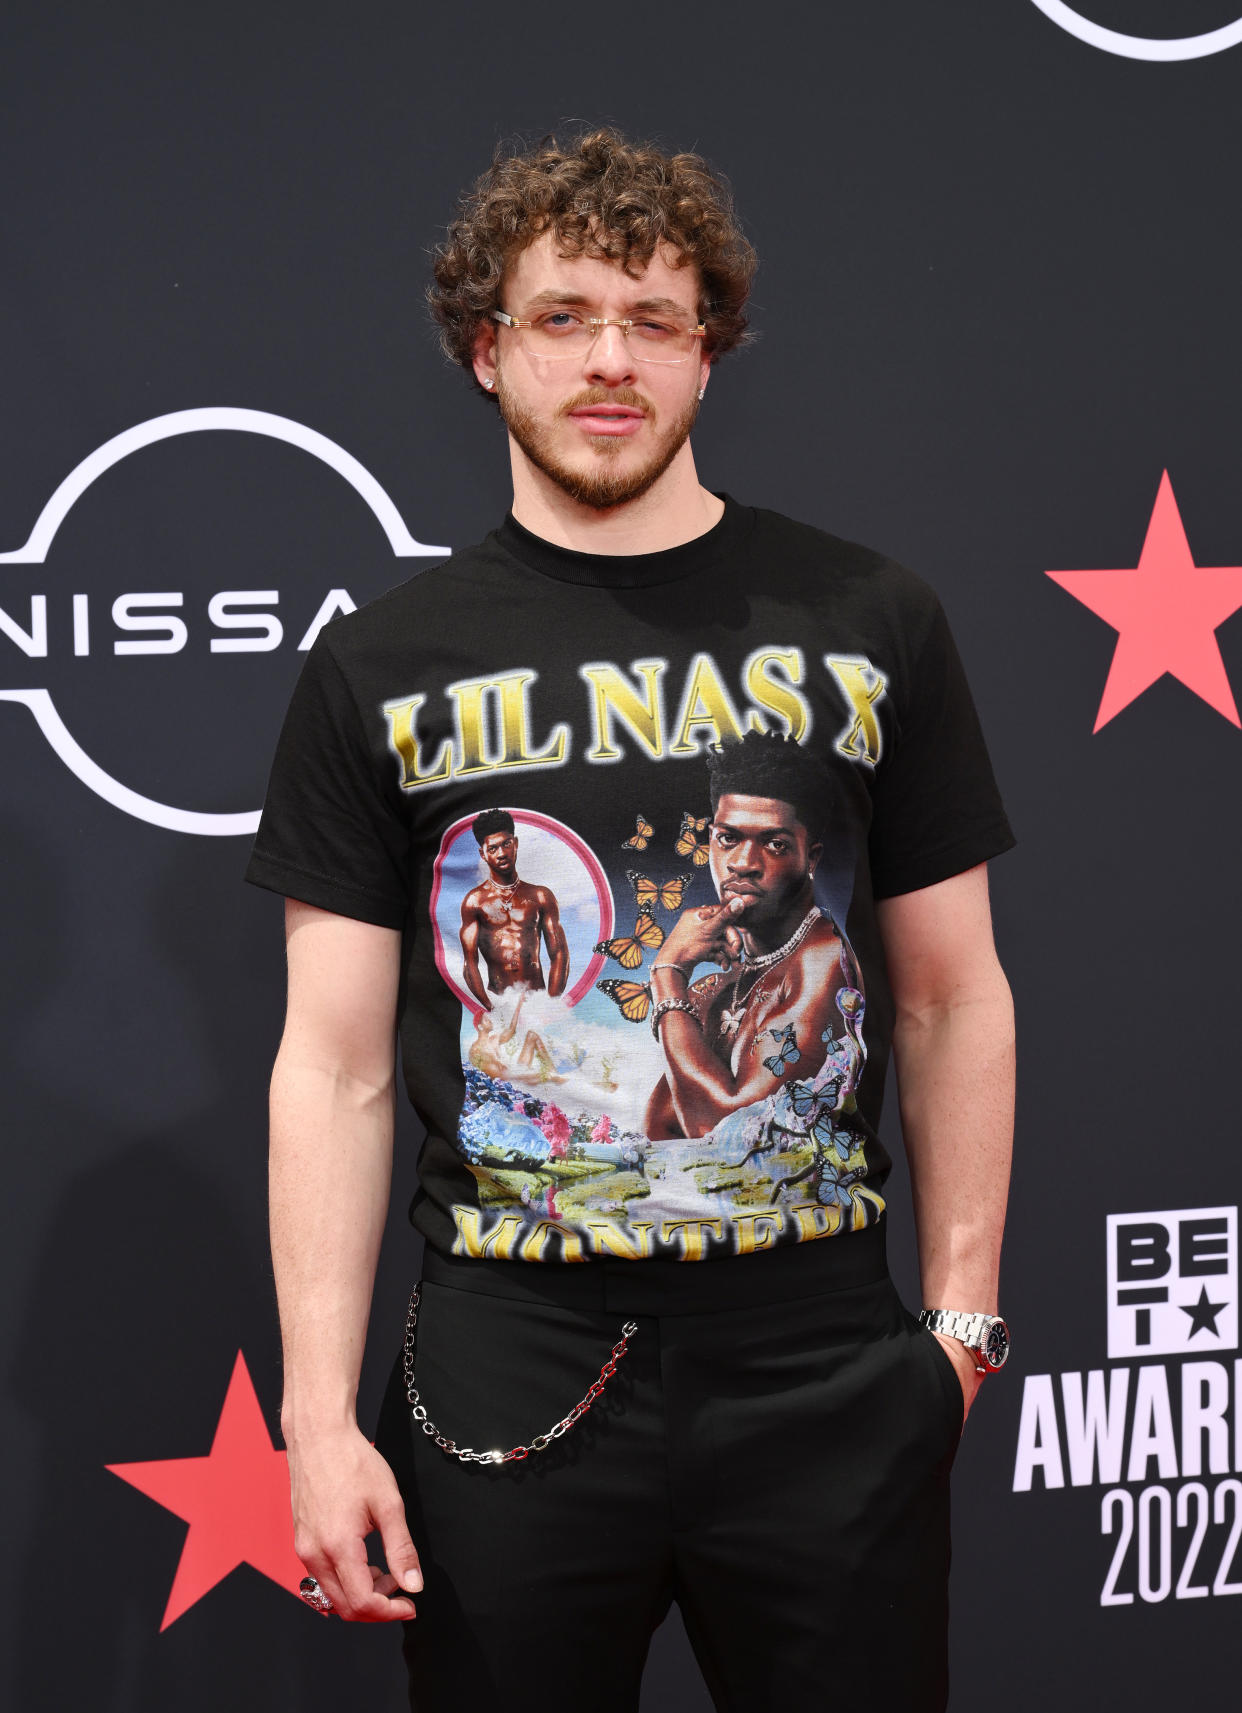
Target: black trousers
x=777 y=1463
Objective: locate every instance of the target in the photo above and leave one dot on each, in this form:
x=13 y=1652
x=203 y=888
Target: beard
x=605 y=485
x=773 y=915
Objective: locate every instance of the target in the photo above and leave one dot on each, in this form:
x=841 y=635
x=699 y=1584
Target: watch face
x=995 y=1350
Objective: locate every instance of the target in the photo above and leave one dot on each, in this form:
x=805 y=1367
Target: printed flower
x=555 y=1126
x=603 y=1129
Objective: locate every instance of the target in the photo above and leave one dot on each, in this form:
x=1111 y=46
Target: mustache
x=602 y=395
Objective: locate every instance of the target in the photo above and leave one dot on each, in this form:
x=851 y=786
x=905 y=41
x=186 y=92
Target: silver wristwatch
x=986 y=1335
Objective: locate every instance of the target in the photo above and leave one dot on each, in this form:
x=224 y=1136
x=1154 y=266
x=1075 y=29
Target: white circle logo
x=1141 y=47
x=34 y=644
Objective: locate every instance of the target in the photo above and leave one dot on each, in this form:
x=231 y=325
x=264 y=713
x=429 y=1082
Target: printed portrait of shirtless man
x=504 y=920
x=783 y=963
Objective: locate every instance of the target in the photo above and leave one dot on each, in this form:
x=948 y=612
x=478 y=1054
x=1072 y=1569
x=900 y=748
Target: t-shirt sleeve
x=330 y=834
x=936 y=807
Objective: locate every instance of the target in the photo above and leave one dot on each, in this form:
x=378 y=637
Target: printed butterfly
x=830 y=1135
x=631 y=998
x=628 y=951
x=802 y=1097
x=688 y=840
x=788 y=1053
x=643 y=835
x=667 y=894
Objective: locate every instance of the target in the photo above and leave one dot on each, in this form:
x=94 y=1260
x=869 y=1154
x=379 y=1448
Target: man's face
x=761 y=853
x=604 y=426
x=500 y=855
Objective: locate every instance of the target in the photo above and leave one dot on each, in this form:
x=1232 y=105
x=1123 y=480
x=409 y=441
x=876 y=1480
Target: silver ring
x=314 y=1596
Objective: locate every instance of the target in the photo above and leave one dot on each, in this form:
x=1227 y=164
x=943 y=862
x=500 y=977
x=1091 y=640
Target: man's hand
x=967 y=1372
x=343 y=1490
x=705 y=935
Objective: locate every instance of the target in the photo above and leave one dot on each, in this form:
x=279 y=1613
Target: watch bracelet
x=969 y=1329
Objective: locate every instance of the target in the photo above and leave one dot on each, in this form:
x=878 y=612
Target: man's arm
x=701 y=1085
x=554 y=939
x=470 y=952
x=332 y=1097
x=953 y=1046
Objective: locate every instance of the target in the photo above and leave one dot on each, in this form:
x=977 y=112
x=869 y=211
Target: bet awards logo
x=1160 y=1267
x=1172 y=1292
x=194 y=679
x=1141 y=47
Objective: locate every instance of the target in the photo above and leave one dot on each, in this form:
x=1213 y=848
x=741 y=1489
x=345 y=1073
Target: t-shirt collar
x=625 y=570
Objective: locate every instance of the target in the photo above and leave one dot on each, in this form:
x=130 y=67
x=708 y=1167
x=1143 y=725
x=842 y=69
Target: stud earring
x=489 y=385
x=702 y=390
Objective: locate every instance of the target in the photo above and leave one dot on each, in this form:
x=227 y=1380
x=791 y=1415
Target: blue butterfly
x=788 y=1053
x=830 y=1135
x=802 y=1097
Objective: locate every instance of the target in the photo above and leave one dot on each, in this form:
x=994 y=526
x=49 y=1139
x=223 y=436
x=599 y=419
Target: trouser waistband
x=612 y=1286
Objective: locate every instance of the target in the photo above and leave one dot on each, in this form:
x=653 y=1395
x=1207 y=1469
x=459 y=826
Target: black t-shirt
x=571 y=700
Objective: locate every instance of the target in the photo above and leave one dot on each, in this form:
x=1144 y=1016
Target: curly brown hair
x=604 y=197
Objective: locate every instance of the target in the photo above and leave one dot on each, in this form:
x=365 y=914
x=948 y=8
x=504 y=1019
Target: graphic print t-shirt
x=506 y=758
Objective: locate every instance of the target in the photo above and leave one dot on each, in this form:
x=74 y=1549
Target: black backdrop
x=998 y=298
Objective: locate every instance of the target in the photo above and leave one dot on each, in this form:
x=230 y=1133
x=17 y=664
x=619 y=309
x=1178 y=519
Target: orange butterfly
x=643 y=835
x=632 y=998
x=688 y=841
x=629 y=951
x=667 y=894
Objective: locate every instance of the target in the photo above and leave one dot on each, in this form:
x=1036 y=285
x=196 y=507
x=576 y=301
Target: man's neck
x=674 y=510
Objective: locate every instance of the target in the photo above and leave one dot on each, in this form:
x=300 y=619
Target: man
x=768 y=1442
x=531 y=1063
x=784 y=963
x=505 y=918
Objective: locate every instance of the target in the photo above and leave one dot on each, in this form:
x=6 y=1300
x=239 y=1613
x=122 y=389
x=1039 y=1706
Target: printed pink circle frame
x=589 y=860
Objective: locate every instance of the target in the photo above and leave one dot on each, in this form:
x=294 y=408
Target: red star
x=1166 y=613
x=236 y=1501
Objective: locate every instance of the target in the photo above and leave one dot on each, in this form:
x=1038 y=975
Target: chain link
x=541 y=1441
